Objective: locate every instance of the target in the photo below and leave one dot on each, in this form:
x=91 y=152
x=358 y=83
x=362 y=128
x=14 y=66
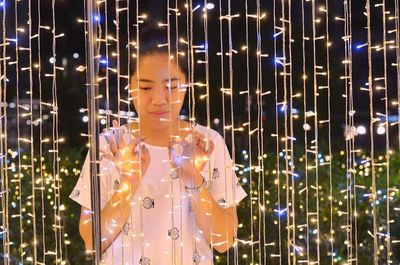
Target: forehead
x=158 y=66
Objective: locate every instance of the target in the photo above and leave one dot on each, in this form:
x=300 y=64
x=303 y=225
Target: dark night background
x=71 y=94
x=71 y=88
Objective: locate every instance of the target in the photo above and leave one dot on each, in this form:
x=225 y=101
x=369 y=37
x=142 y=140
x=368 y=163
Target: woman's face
x=152 y=98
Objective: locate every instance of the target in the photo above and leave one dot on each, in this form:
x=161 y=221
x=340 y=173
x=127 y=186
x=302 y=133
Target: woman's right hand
x=129 y=159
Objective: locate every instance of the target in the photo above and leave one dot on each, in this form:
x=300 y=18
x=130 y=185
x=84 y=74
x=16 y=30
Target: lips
x=159 y=114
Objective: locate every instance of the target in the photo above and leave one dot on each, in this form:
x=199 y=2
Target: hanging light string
x=190 y=63
x=222 y=63
x=206 y=63
x=247 y=48
x=277 y=32
x=286 y=106
x=41 y=158
x=397 y=45
x=168 y=26
x=32 y=150
x=350 y=152
x=387 y=236
x=107 y=37
x=139 y=20
x=3 y=143
x=21 y=245
x=120 y=100
x=306 y=128
x=260 y=141
x=56 y=140
x=371 y=129
x=291 y=166
x=328 y=68
x=176 y=55
x=232 y=127
x=316 y=132
x=129 y=100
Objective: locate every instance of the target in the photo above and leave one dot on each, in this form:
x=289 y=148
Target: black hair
x=154 y=40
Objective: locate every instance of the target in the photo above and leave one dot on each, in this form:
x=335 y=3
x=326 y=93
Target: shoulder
x=210 y=133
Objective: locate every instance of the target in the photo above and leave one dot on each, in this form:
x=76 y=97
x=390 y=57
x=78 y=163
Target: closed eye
x=145 y=88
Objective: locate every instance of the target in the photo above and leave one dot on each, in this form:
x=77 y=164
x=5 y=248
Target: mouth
x=159 y=114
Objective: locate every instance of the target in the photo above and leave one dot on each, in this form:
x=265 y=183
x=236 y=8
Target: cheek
x=143 y=102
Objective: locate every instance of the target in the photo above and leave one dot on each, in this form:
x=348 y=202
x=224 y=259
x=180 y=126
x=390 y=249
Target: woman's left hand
x=189 y=159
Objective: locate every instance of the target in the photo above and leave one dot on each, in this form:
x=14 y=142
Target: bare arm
x=223 y=222
x=117 y=209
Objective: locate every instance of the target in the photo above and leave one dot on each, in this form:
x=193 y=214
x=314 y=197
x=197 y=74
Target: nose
x=159 y=96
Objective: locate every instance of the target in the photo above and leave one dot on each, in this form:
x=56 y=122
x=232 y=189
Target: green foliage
x=251 y=216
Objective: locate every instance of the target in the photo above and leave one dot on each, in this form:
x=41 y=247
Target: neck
x=162 y=136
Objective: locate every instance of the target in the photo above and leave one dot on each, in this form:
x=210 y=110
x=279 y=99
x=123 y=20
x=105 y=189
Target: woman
x=161 y=208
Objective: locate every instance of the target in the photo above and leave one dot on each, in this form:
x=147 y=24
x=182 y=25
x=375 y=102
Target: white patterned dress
x=162 y=228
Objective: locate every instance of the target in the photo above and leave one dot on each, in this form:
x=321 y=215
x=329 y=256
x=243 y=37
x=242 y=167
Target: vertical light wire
x=315 y=140
x=56 y=140
x=286 y=107
x=119 y=96
x=371 y=131
x=260 y=166
x=328 y=68
x=305 y=127
x=207 y=96
x=129 y=99
x=397 y=45
x=350 y=152
x=41 y=158
x=291 y=159
x=21 y=245
x=137 y=26
x=190 y=60
x=276 y=135
x=170 y=125
x=226 y=91
x=32 y=150
x=260 y=140
x=177 y=54
x=232 y=126
x=3 y=141
x=249 y=130
x=387 y=236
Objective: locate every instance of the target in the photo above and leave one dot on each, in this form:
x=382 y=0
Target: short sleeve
x=224 y=184
x=109 y=179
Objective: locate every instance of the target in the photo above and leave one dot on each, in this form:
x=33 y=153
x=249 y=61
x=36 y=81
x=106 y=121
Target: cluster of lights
x=301 y=236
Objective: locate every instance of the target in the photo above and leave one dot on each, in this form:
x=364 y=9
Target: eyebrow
x=166 y=80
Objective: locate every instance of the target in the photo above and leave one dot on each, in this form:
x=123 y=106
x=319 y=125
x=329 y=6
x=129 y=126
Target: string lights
x=322 y=187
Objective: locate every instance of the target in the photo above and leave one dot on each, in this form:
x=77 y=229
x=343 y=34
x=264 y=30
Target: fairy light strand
x=291 y=165
x=316 y=131
x=18 y=130
x=276 y=135
x=32 y=150
x=329 y=130
x=249 y=129
x=387 y=143
x=371 y=129
x=305 y=124
x=260 y=138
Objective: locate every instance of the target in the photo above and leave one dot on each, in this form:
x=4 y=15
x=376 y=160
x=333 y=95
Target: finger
x=199 y=135
x=145 y=155
x=172 y=155
x=211 y=148
x=108 y=157
x=134 y=143
x=113 y=145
